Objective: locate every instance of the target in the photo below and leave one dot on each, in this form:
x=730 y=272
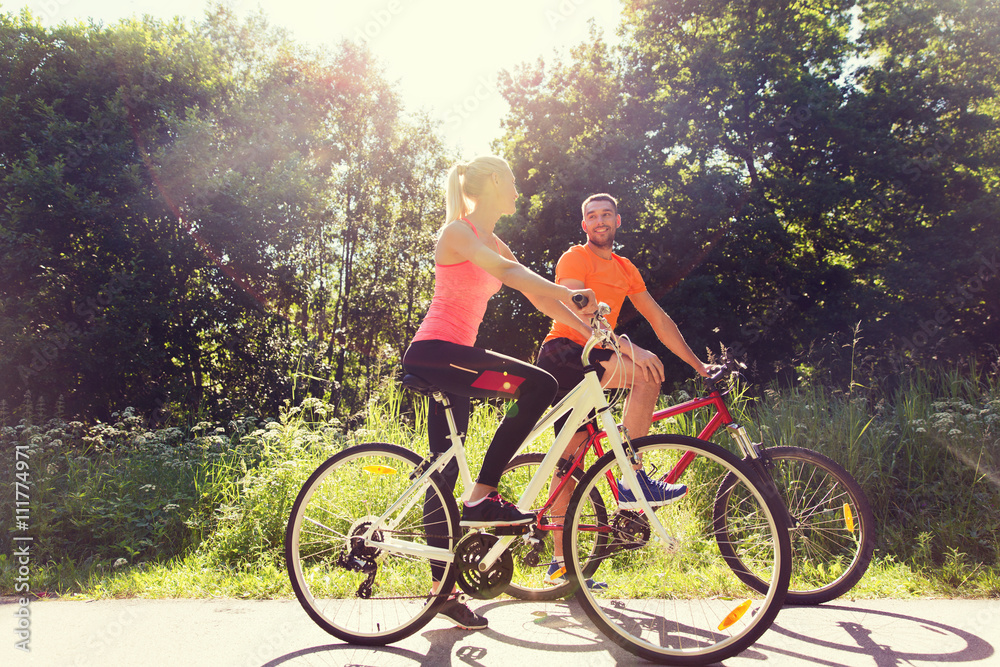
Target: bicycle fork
x=761 y=463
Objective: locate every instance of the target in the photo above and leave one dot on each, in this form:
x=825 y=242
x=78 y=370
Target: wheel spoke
x=361 y=590
x=685 y=605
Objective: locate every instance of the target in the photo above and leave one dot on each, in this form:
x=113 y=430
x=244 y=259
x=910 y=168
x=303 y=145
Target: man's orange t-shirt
x=611 y=279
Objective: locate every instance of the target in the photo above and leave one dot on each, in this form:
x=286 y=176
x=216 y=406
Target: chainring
x=469 y=552
x=630 y=530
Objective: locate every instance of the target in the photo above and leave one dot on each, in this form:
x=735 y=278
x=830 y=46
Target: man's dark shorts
x=561 y=358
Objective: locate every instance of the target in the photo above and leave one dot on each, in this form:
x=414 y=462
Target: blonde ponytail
x=466 y=182
x=457 y=204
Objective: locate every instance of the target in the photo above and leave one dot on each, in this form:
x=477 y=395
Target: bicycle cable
x=617 y=394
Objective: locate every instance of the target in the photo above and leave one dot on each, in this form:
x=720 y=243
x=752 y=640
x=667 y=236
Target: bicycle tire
x=833 y=538
x=354 y=486
x=529 y=580
x=654 y=607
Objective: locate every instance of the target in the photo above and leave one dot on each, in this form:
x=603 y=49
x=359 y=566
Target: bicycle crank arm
x=494 y=554
x=670 y=543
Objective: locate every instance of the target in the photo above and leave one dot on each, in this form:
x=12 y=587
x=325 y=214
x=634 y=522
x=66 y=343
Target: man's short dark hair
x=602 y=196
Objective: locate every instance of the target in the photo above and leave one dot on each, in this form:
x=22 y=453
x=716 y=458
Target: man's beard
x=609 y=244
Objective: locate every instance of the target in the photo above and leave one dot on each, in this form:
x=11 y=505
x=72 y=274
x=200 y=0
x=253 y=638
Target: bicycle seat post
x=457 y=449
x=453 y=434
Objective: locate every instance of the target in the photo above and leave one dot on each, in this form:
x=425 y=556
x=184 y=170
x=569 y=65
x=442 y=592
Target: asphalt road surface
x=251 y=633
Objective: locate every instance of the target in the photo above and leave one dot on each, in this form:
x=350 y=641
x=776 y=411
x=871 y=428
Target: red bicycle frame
x=721 y=418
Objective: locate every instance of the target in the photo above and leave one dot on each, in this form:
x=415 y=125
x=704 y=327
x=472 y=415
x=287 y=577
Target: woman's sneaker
x=657 y=493
x=462 y=616
x=557 y=575
x=493 y=511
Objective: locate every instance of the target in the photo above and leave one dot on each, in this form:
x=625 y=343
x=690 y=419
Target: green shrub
x=112 y=491
x=108 y=495
x=250 y=505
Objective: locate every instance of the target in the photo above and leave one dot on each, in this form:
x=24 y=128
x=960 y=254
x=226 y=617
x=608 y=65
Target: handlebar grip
x=720 y=374
x=580 y=301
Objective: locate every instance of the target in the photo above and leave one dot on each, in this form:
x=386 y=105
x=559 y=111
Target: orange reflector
x=555 y=575
x=848 y=517
x=735 y=614
x=380 y=470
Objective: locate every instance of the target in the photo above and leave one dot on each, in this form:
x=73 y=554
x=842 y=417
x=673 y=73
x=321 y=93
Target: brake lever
x=600 y=324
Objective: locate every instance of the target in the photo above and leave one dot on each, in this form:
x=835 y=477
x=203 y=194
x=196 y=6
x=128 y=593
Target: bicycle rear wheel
x=833 y=536
x=533 y=553
x=361 y=593
x=682 y=606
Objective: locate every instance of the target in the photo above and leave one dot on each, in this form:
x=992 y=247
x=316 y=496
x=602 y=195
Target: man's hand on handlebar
x=707 y=370
x=719 y=372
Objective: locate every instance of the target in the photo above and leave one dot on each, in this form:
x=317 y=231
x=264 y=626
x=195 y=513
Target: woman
x=470 y=265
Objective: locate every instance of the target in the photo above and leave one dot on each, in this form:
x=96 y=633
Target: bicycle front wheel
x=358 y=592
x=534 y=552
x=832 y=531
x=678 y=603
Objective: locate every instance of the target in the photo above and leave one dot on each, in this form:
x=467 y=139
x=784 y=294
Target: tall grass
x=928 y=458
x=120 y=509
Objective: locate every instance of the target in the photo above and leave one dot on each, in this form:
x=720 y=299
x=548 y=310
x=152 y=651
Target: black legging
x=463 y=372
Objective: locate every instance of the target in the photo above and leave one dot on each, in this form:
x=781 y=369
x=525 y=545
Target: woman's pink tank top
x=461 y=292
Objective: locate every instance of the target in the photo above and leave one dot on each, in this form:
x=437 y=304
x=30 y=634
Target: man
x=594 y=265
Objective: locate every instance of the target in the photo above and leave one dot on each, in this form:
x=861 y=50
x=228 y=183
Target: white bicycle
x=358 y=544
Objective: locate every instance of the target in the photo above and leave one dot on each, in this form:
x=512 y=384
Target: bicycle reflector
x=379 y=470
x=499 y=382
x=735 y=614
x=848 y=517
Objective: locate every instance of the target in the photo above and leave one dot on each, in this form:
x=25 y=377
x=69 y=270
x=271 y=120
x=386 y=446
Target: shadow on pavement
x=830 y=635
x=890 y=638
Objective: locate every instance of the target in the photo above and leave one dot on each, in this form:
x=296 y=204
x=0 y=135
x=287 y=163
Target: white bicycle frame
x=585 y=397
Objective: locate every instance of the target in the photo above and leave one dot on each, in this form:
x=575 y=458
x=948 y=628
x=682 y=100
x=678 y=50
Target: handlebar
x=601 y=330
x=727 y=367
x=602 y=333
x=602 y=308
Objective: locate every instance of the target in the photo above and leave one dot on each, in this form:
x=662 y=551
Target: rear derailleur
x=629 y=530
x=356 y=556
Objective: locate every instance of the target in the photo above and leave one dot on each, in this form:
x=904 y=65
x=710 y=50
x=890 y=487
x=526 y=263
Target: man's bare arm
x=667 y=331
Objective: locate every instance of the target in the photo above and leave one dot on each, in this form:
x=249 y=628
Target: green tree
x=760 y=151
x=205 y=218
x=927 y=160
x=741 y=103
x=373 y=272
x=84 y=229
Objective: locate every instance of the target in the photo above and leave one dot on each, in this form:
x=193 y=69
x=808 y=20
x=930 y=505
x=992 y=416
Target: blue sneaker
x=657 y=493
x=557 y=576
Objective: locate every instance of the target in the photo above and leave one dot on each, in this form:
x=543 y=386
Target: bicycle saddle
x=418 y=384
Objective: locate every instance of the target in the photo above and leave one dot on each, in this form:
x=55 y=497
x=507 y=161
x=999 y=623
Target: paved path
x=219 y=633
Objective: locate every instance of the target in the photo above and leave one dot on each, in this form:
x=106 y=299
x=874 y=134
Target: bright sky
x=445 y=54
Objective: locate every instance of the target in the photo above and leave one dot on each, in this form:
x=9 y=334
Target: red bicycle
x=830 y=520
